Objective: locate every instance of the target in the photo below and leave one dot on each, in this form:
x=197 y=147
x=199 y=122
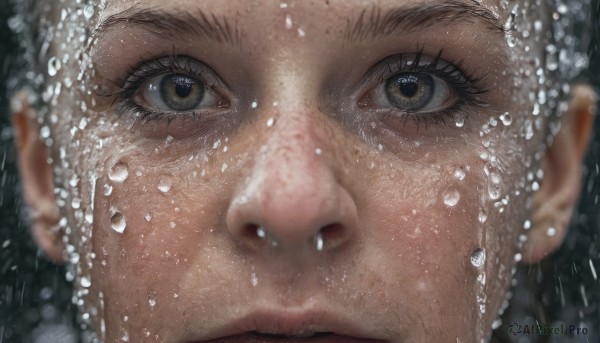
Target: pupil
x=408 y=85
x=183 y=88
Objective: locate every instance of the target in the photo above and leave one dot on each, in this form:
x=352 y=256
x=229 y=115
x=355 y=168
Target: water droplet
x=119 y=172
x=85 y=282
x=506 y=119
x=451 y=198
x=124 y=336
x=54 y=66
x=478 y=257
x=319 y=241
x=510 y=40
x=89 y=216
x=459 y=121
x=169 y=140
x=73 y=181
x=551 y=232
x=152 y=300
x=148 y=217
x=518 y=257
x=165 y=183
x=593 y=270
x=172 y=225
x=253 y=279
x=254 y=104
x=527 y=225
x=88 y=11
x=117 y=222
x=45 y=132
x=301 y=32
x=76 y=203
x=318 y=151
x=528 y=129
x=260 y=232
x=107 y=189
x=288 y=22
x=482 y=217
x=459 y=173
x=270 y=122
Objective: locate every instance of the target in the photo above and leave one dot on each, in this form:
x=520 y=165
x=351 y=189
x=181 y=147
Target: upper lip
x=289 y=322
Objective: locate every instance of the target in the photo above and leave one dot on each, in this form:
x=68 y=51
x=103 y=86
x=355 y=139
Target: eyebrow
x=373 y=24
x=172 y=24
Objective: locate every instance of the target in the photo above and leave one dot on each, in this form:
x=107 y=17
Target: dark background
x=35 y=300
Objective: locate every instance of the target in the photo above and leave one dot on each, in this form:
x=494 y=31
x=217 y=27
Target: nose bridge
x=297 y=182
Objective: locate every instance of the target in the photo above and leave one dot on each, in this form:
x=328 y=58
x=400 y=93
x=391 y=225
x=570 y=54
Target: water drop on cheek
x=482 y=217
x=506 y=119
x=107 y=190
x=451 y=198
x=119 y=173
x=478 y=257
x=459 y=173
x=117 y=222
x=165 y=183
x=152 y=300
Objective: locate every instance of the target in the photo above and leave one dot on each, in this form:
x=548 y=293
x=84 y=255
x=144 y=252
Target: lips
x=319 y=338
x=293 y=326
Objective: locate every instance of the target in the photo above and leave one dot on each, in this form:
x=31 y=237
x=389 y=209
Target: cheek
x=428 y=220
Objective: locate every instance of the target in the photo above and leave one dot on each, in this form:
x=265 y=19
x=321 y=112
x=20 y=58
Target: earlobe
x=36 y=178
x=559 y=191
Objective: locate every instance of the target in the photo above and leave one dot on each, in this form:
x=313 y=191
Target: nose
x=292 y=198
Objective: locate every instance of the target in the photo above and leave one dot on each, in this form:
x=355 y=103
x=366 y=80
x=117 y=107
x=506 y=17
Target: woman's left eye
x=177 y=93
x=413 y=92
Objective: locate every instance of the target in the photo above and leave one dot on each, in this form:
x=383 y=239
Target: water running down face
x=287 y=168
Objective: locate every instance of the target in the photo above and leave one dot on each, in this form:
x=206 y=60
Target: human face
x=243 y=168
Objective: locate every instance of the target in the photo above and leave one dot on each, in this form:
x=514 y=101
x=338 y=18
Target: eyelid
x=139 y=75
x=464 y=85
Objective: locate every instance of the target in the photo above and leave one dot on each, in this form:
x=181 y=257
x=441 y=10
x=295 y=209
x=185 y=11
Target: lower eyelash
x=454 y=114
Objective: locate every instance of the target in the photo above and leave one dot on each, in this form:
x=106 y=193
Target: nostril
x=252 y=231
x=330 y=236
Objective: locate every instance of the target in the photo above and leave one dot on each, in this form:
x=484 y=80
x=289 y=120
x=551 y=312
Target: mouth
x=293 y=326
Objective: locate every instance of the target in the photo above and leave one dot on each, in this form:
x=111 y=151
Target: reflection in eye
x=177 y=92
x=414 y=92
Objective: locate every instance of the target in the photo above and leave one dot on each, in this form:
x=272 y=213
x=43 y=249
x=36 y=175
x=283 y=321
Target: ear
x=36 y=178
x=553 y=204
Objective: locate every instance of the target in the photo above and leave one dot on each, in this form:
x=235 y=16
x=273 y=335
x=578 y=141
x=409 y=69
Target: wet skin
x=295 y=136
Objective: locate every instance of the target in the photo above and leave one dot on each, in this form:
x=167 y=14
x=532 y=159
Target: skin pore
x=382 y=221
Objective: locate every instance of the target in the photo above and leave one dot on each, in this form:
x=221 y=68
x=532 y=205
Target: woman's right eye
x=177 y=92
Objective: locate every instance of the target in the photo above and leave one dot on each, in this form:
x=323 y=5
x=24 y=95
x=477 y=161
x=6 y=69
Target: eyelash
x=465 y=86
x=139 y=75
